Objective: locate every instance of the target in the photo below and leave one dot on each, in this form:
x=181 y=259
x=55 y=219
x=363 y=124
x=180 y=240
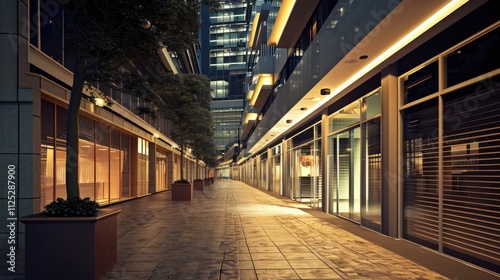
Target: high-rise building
x=223 y=60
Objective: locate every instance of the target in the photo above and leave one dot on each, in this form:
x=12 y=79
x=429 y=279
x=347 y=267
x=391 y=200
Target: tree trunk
x=72 y=188
x=197 y=169
x=182 y=157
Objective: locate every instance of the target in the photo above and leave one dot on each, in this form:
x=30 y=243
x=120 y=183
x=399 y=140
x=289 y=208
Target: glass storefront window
x=347 y=116
x=421 y=83
x=142 y=166
x=371 y=106
x=161 y=170
x=47 y=153
x=126 y=165
x=471 y=185
x=86 y=158
x=115 y=154
x=102 y=161
x=104 y=158
x=371 y=162
x=473 y=59
x=420 y=174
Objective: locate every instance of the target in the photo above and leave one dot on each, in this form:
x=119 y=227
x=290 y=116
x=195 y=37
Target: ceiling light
x=325 y=91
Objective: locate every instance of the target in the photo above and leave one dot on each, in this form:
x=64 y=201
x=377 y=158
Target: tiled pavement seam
x=233 y=231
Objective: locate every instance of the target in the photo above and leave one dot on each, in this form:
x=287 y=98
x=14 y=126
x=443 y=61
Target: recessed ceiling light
x=303 y=108
x=363 y=56
x=325 y=91
x=289 y=121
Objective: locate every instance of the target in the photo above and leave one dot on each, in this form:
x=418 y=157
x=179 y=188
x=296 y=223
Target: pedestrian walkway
x=234 y=231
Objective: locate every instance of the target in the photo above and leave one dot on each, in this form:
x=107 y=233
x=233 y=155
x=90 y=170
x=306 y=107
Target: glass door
x=345 y=175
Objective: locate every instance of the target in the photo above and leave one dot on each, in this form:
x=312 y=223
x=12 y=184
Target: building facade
x=384 y=113
x=223 y=58
x=122 y=155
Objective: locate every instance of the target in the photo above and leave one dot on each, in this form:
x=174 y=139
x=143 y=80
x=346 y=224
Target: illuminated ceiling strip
x=254 y=30
x=250 y=117
x=281 y=20
x=412 y=35
x=264 y=80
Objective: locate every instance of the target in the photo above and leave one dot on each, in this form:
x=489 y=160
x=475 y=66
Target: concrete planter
x=182 y=191
x=70 y=247
x=207 y=182
x=198 y=185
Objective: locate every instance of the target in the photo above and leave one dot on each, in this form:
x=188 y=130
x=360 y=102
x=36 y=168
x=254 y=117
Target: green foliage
x=187 y=104
x=113 y=42
x=182 y=181
x=73 y=207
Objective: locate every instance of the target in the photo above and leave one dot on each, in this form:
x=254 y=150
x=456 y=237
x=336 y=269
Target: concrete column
x=325 y=128
x=390 y=163
x=19 y=135
x=152 y=168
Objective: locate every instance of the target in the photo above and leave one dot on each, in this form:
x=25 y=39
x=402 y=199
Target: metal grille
x=421 y=196
x=471 y=175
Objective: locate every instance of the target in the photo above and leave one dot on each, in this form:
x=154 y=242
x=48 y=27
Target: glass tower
x=223 y=60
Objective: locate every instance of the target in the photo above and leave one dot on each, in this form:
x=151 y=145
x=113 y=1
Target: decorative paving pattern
x=233 y=231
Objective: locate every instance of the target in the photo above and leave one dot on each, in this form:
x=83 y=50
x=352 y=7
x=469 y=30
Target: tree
x=203 y=144
x=105 y=37
x=187 y=103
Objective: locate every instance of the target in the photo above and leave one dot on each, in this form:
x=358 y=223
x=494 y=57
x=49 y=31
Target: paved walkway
x=234 y=231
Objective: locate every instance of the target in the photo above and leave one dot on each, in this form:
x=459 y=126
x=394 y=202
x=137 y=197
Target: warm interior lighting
x=392 y=49
x=412 y=35
x=254 y=30
x=250 y=117
x=284 y=12
x=99 y=102
x=409 y=37
x=264 y=80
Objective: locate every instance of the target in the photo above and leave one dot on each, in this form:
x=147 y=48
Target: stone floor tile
x=271 y=274
x=298 y=264
x=259 y=265
x=263 y=256
x=234 y=231
x=317 y=273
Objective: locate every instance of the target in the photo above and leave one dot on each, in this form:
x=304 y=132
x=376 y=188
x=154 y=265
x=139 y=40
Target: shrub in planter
x=73 y=207
x=182 y=190
x=71 y=237
x=198 y=184
x=182 y=181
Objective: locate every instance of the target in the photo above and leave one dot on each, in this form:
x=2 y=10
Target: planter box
x=207 y=181
x=70 y=247
x=198 y=185
x=182 y=191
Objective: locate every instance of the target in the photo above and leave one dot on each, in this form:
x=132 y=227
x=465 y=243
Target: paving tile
x=318 y=274
x=263 y=256
x=288 y=274
x=271 y=265
x=300 y=256
x=297 y=264
x=234 y=231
